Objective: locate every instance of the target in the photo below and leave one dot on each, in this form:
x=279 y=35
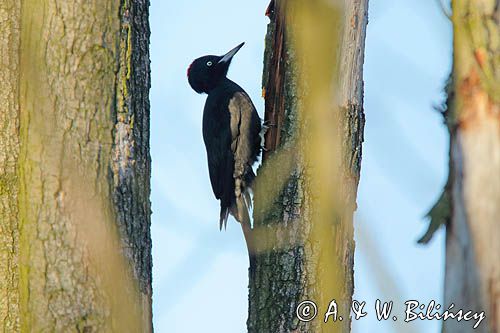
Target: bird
x=232 y=133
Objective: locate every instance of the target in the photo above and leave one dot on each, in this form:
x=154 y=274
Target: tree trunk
x=472 y=278
x=9 y=152
x=75 y=166
x=305 y=192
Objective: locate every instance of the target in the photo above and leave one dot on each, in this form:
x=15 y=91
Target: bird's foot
x=265 y=127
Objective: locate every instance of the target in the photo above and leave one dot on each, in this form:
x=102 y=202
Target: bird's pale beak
x=228 y=56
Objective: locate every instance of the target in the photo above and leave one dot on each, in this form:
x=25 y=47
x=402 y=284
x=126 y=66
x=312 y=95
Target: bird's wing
x=217 y=137
x=230 y=127
x=245 y=126
x=220 y=168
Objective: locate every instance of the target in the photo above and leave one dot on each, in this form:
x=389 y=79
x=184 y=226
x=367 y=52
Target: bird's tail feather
x=247 y=195
x=241 y=211
x=242 y=207
x=243 y=204
x=224 y=215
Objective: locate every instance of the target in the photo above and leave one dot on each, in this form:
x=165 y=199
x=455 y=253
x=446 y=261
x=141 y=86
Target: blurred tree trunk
x=305 y=198
x=75 y=247
x=472 y=278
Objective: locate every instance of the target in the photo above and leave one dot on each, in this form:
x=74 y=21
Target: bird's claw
x=267 y=124
x=265 y=127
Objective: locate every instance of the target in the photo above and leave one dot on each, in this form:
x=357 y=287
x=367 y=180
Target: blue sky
x=200 y=274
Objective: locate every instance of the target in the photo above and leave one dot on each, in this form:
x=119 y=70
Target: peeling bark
x=74 y=154
x=288 y=267
x=472 y=278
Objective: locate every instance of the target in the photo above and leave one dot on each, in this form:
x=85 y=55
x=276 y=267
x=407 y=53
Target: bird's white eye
x=209 y=64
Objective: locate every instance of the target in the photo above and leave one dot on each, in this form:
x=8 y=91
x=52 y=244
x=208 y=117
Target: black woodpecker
x=231 y=132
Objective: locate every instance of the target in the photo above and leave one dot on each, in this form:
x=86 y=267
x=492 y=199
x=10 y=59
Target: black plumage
x=231 y=132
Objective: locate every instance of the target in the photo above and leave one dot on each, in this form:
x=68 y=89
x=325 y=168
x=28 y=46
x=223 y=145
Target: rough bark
x=472 y=277
x=305 y=246
x=9 y=152
x=75 y=166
